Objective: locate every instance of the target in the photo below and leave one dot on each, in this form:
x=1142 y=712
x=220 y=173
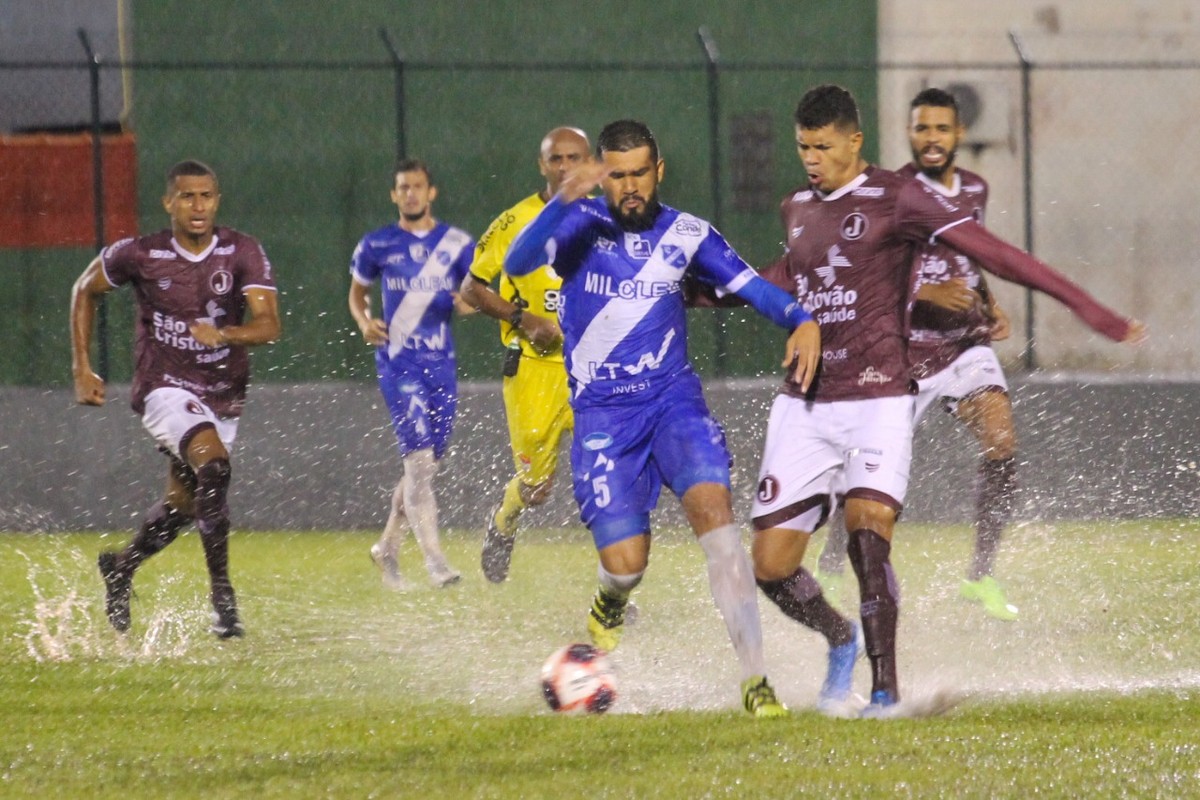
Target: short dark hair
x=412 y=165
x=828 y=105
x=938 y=98
x=625 y=135
x=189 y=168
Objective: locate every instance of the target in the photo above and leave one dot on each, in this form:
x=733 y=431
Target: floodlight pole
x=97 y=194
x=398 y=78
x=709 y=46
x=1027 y=171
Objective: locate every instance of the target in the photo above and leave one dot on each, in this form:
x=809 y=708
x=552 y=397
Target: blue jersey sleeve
x=773 y=303
x=721 y=266
x=363 y=263
x=528 y=251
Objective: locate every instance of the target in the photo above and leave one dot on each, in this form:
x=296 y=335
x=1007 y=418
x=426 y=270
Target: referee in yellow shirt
x=535 y=380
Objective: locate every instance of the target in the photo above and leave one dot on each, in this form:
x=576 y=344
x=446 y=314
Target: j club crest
x=221 y=282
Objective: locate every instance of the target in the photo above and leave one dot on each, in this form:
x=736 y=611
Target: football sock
x=212 y=517
x=159 y=528
x=993 y=508
x=618 y=586
x=397 y=521
x=869 y=552
x=731 y=580
x=833 y=556
x=510 y=507
x=799 y=597
x=421 y=505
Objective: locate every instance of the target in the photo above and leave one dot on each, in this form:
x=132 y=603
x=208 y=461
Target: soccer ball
x=578 y=677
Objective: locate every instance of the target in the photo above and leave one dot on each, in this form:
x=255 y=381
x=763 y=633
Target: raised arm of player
x=1005 y=261
x=89 y=387
x=527 y=252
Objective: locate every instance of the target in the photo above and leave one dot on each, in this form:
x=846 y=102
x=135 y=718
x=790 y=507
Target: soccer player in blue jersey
x=641 y=421
x=419 y=263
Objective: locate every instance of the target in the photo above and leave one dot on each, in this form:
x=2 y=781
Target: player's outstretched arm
x=803 y=350
x=91 y=284
x=1011 y=263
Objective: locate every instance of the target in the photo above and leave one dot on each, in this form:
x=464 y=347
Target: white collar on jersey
x=938 y=186
x=195 y=258
x=856 y=182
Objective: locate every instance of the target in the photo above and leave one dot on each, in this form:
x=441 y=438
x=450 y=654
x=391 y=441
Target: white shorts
x=814 y=450
x=975 y=370
x=172 y=413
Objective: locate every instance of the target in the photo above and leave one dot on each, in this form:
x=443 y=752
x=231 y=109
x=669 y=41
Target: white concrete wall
x=1116 y=166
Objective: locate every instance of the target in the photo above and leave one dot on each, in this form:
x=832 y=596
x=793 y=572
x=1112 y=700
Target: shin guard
x=799 y=597
x=880 y=610
x=159 y=528
x=993 y=509
x=212 y=516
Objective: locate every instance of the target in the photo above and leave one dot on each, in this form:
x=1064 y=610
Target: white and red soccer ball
x=579 y=677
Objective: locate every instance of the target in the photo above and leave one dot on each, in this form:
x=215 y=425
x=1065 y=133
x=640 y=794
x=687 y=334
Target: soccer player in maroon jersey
x=204 y=294
x=850 y=238
x=954 y=321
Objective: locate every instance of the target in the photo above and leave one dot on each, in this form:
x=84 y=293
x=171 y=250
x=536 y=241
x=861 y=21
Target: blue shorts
x=622 y=457
x=421 y=401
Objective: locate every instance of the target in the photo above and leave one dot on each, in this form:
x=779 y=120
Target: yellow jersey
x=539 y=289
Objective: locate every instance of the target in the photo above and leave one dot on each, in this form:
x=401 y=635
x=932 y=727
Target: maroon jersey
x=850 y=268
x=923 y=213
x=939 y=335
x=174 y=289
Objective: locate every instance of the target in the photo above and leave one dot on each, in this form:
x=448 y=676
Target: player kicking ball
x=641 y=422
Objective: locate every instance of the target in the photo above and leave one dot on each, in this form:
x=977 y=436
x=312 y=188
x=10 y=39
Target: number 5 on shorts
x=600 y=487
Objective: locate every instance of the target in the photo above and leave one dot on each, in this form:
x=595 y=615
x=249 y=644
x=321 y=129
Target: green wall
x=304 y=154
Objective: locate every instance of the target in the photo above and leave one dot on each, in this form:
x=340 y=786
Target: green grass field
x=343 y=689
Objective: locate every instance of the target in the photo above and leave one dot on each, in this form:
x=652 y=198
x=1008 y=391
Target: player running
x=535 y=382
x=419 y=263
x=641 y=421
x=194 y=285
x=848 y=258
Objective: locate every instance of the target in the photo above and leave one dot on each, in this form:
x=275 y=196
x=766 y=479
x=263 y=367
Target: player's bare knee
x=871 y=514
x=626 y=557
x=999 y=444
x=777 y=552
x=182 y=500
x=707 y=506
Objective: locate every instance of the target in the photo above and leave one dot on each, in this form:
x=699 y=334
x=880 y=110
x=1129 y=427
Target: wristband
x=515 y=317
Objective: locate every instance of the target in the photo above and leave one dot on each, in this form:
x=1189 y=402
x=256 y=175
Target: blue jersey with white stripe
x=417 y=274
x=621 y=306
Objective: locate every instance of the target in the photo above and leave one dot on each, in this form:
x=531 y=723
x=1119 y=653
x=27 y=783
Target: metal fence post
x=709 y=46
x=398 y=76
x=1027 y=170
x=97 y=194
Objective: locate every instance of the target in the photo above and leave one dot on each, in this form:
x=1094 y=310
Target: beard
x=637 y=221
x=416 y=216
x=935 y=172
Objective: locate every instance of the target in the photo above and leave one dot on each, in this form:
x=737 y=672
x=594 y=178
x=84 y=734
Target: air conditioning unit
x=986 y=105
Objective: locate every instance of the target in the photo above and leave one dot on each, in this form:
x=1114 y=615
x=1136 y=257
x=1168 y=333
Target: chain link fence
x=1088 y=163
